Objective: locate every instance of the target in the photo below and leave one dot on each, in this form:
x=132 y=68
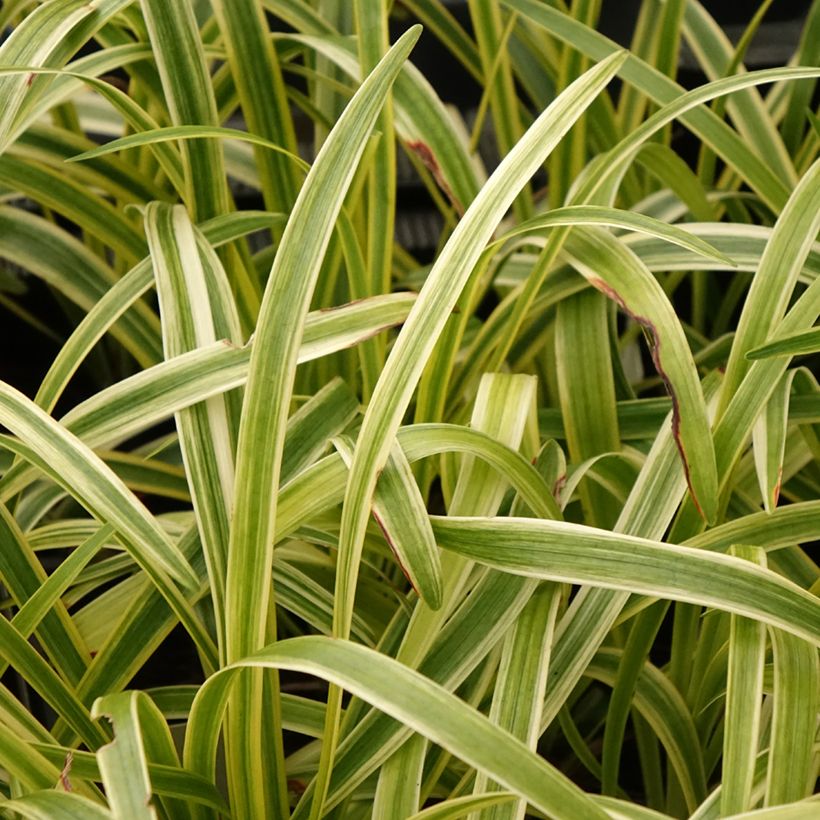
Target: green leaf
x=704 y=123
x=769 y=442
x=462 y=806
x=48 y=36
x=123 y=762
x=270 y=384
x=615 y=218
x=55 y=805
x=792 y=761
x=418 y=703
x=794 y=345
x=744 y=695
x=402 y=516
x=197 y=308
x=613 y=269
x=83 y=474
x=256 y=72
x=44 y=680
x=587 y=391
x=772 y=287
x=438 y=297
x=559 y=551
x=714 y=52
x=189 y=96
x=184 y=133
x=522 y=679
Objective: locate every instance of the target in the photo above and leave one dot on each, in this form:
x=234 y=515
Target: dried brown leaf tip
x=423 y=151
x=65 y=783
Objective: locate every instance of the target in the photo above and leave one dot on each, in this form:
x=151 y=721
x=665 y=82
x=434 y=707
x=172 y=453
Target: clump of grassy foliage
x=541 y=508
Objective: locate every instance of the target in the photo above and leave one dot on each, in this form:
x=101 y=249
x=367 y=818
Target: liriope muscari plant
x=524 y=531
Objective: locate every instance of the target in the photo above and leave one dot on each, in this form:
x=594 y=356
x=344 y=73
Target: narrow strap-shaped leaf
x=710 y=808
x=661 y=90
x=172 y=595
x=425 y=707
x=772 y=287
x=615 y=218
x=372 y=28
x=744 y=694
x=475 y=628
x=133 y=405
x=49 y=35
x=168 y=780
x=587 y=392
x=142 y=619
x=792 y=811
x=270 y=384
x=518 y=695
x=159 y=748
x=610 y=267
x=131 y=112
x=791 y=524
x=485 y=16
x=794 y=345
x=123 y=763
x=792 y=759
x=635 y=655
x=120 y=297
x=117 y=178
x=399 y=787
x=274 y=343
x=557 y=550
x=769 y=442
x=660 y=703
x=744 y=244
x=48 y=594
x=256 y=72
x=427 y=319
x=25 y=763
x=794 y=121
x=44 y=680
x=83 y=474
x=763 y=376
x=159 y=136
x=23 y=575
x=82 y=206
x=189 y=96
x=748 y=111
x=421 y=120
x=569 y=158
x=61 y=260
x=673 y=172
x=298 y=593
x=312 y=426
x=507 y=326
x=491 y=609
x=735 y=55
x=54 y=805
x=401 y=513
x=502 y=408
x=197 y=308
x=457 y=807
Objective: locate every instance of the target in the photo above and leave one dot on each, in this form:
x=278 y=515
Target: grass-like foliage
x=522 y=532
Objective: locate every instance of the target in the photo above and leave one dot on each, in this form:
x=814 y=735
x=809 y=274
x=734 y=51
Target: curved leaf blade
x=420 y=704
x=559 y=551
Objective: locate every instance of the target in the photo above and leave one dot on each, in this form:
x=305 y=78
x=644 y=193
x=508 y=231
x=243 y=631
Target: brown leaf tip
x=423 y=151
